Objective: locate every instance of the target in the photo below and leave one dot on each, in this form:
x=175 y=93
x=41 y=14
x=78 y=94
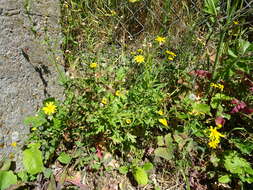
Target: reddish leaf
x=201 y=73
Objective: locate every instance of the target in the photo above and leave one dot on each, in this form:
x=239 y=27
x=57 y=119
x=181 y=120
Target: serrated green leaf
x=224 y=179
x=237 y=165
x=32 y=159
x=123 y=170
x=23 y=176
x=7 y=178
x=245 y=147
x=140 y=176
x=164 y=153
x=148 y=166
x=64 y=158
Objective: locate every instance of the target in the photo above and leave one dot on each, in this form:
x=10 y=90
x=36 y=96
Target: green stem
x=218 y=54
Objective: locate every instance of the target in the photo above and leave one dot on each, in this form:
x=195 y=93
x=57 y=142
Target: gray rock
x=27 y=74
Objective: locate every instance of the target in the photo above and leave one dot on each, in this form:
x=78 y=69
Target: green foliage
x=114 y=104
x=32 y=159
x=238 y=166
x=210 y=7
x=7 y=178
x=224 y=179
x=64 y=158
x=140 y=176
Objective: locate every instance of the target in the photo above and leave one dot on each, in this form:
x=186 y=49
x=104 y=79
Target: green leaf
x=231 y=53
x=201 y=108
x=168 y=140
x=224 y=179
x=165 y=153
x=210 y=7
x=32 y=159
x=23 y=176
x=7 y=178
x=6 y=165
x=148 y=166
x=47 y=173
x=64 y=158
x=243 y=46
x=214 y=160
x=245 y=147
x=123 y=170
x=35 y=121
x=140 y=176
x=160 y=141
x=237 y=165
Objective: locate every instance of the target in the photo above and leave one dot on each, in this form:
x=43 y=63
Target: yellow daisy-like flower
x=93 y=65
x=160 y=39
x=160 y=112
x=213 y=144
x=104 y=101
x=128 y=121
x=50 y=108
x=34 y=129
x=14 y=144
x=214 y=137
x=171 y=53
x=139 y=59
x=118 y=93
x=214 y=134
x=164 y=122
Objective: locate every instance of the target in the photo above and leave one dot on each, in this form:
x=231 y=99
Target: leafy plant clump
x=148 y=110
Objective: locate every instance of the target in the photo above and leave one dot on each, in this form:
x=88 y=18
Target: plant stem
x=218 y=54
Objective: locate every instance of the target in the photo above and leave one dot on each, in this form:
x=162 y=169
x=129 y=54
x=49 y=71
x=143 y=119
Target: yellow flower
x=128 y=121
x=171 y=53
x=118 y=93
x=214 y=134
x=93 y=65
x=104 y=101
x=140 y=50
x=132 y=53
x=14 y=144
x=214 y=137
x=133 y=1
x=34 y=129
x=170 y=58
x=164 y=122
x=160 y=39
x=220 y=86
x=235 y=22
x=50 y=108
x=213 y=144
x=139 y=59
x=160 y=112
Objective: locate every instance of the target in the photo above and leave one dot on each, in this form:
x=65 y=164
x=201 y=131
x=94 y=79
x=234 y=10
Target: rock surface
x=27 y=73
